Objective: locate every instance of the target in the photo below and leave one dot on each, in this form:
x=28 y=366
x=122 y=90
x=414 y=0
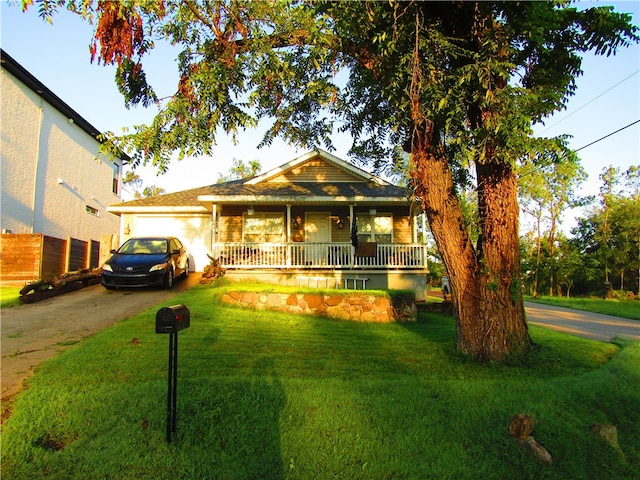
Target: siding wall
x=38 y=146
x=314 y=171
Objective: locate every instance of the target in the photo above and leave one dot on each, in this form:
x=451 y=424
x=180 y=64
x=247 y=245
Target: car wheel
x=168 y=279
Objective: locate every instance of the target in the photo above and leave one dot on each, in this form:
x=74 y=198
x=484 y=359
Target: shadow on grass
x=230 y=425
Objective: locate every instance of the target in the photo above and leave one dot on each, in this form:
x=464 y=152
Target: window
x=92 y=210
x=115 y=183
x=263 y=227
x=377 y=228
x=175 y=245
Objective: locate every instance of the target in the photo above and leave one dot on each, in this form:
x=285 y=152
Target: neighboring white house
x=54 y=180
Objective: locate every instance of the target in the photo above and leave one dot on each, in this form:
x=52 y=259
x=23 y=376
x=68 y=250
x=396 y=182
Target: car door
x=181 y=259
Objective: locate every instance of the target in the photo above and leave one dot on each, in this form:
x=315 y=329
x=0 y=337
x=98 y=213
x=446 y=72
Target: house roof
x=22 y=74
x=290 y=183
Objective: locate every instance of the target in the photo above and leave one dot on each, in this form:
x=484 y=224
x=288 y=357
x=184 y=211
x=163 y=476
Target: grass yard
x=618 y=308
x=9 y=296
x=264 y=395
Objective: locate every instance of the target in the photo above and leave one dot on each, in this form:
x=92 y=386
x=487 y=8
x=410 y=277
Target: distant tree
x=240 y=170
x=609 y=177
x=151 y=191
x=609 y=235
x=570 y=264
x=547 y=188
x=133 y=181
x=452 y=83
x=624 y=219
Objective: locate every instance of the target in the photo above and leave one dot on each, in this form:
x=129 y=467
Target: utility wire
x=590 y=101
x=606 y=136
x=582 y=148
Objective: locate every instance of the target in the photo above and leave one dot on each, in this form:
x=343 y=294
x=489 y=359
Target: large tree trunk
x=485 y=281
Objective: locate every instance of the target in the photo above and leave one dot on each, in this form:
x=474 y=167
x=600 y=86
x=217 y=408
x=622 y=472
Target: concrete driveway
x=34 y=332
x=594 y=326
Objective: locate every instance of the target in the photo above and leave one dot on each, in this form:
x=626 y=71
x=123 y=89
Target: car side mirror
x=176 y=252
x=113 y=250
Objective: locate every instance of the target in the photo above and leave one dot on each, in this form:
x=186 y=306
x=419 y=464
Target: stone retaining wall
x=358 y=307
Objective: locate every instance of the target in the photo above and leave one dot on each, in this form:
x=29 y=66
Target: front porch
x=320 y=256
x=377 y=266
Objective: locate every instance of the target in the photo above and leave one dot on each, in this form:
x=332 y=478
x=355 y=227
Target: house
x=296 y=224
x=54 y=180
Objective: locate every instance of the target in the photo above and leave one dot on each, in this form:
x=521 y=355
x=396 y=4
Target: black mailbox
x=172 y=319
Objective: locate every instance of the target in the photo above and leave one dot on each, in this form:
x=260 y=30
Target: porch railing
x=304 y=255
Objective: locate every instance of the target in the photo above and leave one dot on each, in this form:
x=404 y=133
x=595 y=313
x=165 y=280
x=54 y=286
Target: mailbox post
x=172 y=320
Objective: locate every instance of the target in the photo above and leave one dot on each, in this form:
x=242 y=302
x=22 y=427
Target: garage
x=193 y=230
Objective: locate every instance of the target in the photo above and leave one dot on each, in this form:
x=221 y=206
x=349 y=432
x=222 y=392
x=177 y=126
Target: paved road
x=34 y=332
x=584 y=324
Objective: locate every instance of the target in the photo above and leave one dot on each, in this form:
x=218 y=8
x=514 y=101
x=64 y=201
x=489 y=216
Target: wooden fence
x=27 y=257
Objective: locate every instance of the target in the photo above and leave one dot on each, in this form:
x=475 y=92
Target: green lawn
x=265 y=395
x=619 y=308
x=9 y=296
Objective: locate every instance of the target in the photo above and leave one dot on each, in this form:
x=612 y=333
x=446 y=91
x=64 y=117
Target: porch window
x=263 y=227
x=377 y=228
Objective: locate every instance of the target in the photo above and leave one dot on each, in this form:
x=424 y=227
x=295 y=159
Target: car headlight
x=160 y=266
x=107 y=268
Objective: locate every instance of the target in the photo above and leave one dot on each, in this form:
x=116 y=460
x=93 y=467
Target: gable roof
x=288 y=184
x=351 y=170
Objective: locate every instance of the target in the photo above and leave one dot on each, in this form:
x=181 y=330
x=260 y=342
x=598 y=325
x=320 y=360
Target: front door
x=317 y=228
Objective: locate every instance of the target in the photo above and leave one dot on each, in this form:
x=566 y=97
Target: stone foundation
x=357 y=307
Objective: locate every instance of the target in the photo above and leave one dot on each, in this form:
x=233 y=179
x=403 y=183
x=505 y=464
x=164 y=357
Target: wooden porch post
x=288 y=220
x=214 y=224
x=424 y=241
x=351 y=217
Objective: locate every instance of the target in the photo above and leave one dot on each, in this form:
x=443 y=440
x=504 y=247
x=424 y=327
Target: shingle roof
x=238 y=192
x=245 y=191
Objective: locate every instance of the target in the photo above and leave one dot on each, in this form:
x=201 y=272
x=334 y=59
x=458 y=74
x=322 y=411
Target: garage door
x=193 y=231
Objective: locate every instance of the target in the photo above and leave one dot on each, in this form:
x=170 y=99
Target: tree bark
x=485 y=281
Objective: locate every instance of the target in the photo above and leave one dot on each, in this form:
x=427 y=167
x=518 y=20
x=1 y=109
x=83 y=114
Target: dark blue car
x=146 y=262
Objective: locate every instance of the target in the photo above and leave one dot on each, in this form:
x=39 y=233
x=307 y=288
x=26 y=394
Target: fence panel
x=20 y=258
x=53 y=260
x=77 y=254
x=94 y=254
x=26 y=257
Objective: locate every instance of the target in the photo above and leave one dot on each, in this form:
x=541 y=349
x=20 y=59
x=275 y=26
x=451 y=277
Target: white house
x=54 y=180
x=315 y=220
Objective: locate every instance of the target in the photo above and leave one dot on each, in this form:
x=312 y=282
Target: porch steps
x=332 y=282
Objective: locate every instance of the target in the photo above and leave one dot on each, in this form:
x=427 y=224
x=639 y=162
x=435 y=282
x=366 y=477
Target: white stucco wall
x=38 y=146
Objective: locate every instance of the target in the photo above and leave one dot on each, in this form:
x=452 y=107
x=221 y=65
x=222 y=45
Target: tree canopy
x=454 y=84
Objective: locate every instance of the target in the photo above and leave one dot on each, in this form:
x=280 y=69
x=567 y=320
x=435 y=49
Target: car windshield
x=144 y=246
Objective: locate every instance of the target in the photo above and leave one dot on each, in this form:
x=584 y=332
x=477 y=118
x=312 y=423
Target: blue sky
x=607 y=99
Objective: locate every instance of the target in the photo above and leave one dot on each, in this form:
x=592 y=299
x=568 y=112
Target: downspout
x=37 y=167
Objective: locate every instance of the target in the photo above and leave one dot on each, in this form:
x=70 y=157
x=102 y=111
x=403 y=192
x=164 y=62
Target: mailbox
x=173 y=319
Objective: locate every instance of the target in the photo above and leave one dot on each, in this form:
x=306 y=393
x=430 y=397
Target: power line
x=582 y=148
x=590 y=101
x=606 y=136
